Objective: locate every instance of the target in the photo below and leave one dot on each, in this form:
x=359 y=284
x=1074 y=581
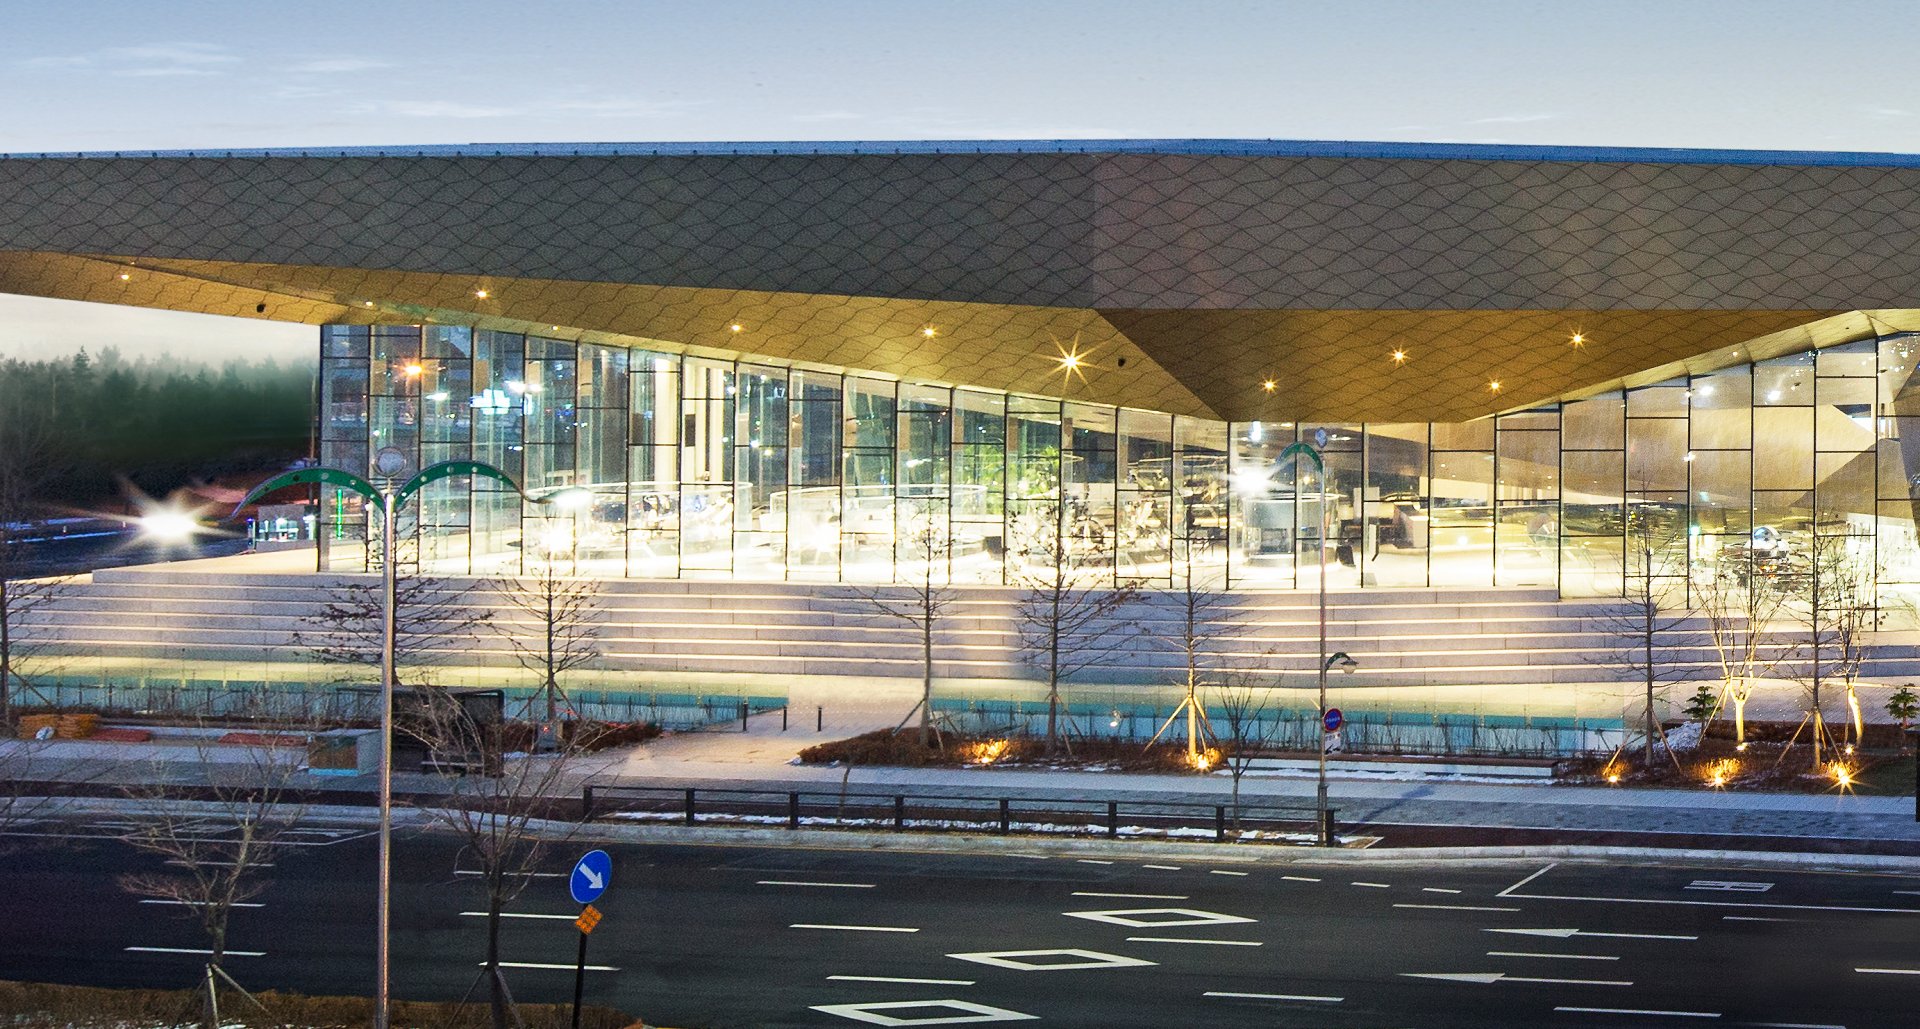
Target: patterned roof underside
x=1184 y=281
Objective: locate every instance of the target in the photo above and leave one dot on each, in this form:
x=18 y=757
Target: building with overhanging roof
x=1552 y=369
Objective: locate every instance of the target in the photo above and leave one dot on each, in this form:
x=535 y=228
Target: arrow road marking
x=1274 y=996
x=1495 y=977
x=1564 y=933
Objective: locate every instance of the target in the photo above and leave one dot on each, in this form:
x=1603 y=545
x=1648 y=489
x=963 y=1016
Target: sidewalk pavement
x=762 y=759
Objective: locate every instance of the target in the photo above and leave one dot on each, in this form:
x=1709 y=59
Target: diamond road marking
x=1157 y=918
x=967 y=1013
x=1085 y=959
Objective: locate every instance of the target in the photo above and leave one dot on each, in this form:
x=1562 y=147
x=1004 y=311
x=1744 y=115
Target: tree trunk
x=6 y=649
x=210 y=1007
x=496 y=989
x=926 y=681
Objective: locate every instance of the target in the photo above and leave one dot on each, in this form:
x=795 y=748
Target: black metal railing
x=1051 y=816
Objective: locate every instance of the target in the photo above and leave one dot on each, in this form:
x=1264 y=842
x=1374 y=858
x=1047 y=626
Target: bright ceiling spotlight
x=736 y=327
x=1071 y=362
x=1579 y=341
x=1399 y=357
x=929 y=332
x=1269 y=385
x=168 y=525
x=1493 y=386
x=126 y=277
x=481 y=294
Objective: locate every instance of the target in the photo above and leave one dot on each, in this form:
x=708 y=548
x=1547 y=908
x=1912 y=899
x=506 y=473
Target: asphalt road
x=739 y=936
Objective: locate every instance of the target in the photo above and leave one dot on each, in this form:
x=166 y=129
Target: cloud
x=336 y=65
x=1888 y=113
x=1513 y=119
x=150 y=60
x=820 y=116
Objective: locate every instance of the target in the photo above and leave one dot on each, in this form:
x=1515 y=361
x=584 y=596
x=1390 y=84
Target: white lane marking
x=529 y=875
x=1754 y=918
x=1077 y=959
x=1564 y=933
x=204 y=903
x=1436 y=889
x=1715 y=903
x=970 y=1013
x=1274 y=996
x=1483 y=978
x=1641 y=1011
x=899 y=979
x=1299 y=879
x=1528 y=879
x=1889 y=971
x=853 y=928
x=1377 y=886
x=1729 y=886
x=190 y=950
x=1794 y=1025
x=569 y=966
x=1163 y=868
x=1910 y=893
x=1132 y=896
x=1452 y=907
x=1030 y=857
x=1092 y=861
x=797 y=882
x=1222 y=871
x=1540 y=954
x=1158 y=918
x=1205 y=943
x=185 y=863
x=516 y=914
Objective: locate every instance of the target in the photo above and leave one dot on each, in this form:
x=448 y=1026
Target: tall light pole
x=388 y=465
x=1325 y=663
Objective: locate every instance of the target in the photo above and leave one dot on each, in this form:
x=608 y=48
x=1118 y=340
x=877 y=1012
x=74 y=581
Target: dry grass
x=47 y=1006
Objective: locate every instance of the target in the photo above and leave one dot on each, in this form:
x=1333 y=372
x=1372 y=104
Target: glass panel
x=1656 y=454
x=1782 y=448
x=1721 y=494
x=1462 y=519
x=1723 y=410
x=1396 y=529
x=1598 y=423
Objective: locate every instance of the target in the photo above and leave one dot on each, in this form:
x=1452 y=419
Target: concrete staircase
x=1399 y=637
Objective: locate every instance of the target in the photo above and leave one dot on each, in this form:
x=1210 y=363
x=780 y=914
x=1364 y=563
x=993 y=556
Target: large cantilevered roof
x=1224 y=278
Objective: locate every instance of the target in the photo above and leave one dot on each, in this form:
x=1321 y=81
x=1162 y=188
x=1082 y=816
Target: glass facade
x=661 y=464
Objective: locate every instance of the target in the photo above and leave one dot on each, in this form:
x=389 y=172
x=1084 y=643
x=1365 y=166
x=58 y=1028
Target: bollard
x=783 y=718
x=793 y=810
x=689 y=806
x=1113 y=818
x=820 y=719
x=899 y=812
x=1219 y=823
x=743 y=716
x=1006 y=815
x=1326 y=828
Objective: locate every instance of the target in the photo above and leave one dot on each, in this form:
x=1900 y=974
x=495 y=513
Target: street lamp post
x=1325 y=663
x=388 y=464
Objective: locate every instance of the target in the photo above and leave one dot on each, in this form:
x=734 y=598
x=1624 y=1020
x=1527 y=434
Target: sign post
x=592 y=874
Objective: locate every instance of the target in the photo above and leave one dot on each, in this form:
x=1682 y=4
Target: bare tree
x=28 y=460
x=1740 y=606
x=1202 y=622
x=1839 y=617
x=216 y=846
x=1066 y=612
x=1651 y=612
x=554 y=628
x=500 y=817
x=1250 y=727
x=429 y=613
x=922 y=602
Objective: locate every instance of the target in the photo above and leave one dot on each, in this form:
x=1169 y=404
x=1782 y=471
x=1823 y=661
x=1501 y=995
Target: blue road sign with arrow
x=591 y=876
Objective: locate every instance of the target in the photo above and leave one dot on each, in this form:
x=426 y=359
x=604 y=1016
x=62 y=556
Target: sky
x=112 y=75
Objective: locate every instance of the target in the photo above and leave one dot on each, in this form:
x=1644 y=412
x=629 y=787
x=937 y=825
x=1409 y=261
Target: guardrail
x=1007 y=815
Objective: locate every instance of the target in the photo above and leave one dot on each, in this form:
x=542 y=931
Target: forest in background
x=157 y=423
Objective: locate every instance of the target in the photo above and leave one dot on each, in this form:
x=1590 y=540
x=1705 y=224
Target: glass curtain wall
x=665 y=465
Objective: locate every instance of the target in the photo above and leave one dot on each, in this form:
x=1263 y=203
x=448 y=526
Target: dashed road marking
x=1299 y=879
x=1132 y=896
x=1562 y=934
x=1729 y=886
x=1889 y=971
x=1163 y=868
x=1204 y=943
x=1092 y=861
x=1542 y=954
x=518 y=914
x=204 y=903
x=1639 y=1011
x=853 y=928
x=207 y=953
x=1453 y=907
x=899 y=979
x=569 y=966
x=798 y=882
x=1275 y=996
x=1436 y=889
x=1222 y=871
x=1376 y=886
